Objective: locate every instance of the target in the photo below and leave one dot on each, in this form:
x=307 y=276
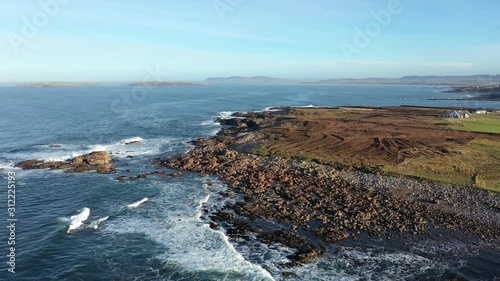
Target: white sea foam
x=199 y=209
x=4 y=165
x=226 y=114
x=174 y=222
x=214 y=132
x=271 y=109
x=77 y=220
x=138 y=203
x=118 y=149
x=211 y=122
x=95 y=224
x=347 y=263
x=134 y=139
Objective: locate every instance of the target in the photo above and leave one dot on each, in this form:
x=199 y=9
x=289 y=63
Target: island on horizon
x=169 y=84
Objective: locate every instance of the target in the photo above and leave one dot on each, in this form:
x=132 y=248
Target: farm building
x=460 y=114
x=477 y=111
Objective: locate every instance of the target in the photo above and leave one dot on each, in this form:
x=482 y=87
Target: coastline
x=306 y=205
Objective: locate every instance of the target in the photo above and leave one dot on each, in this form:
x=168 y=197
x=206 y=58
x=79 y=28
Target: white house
x=478 y=111
x=460 y=114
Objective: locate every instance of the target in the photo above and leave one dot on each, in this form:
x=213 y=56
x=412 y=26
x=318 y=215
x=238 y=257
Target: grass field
x=407 y=141
x=488 y=123
x=474 y=164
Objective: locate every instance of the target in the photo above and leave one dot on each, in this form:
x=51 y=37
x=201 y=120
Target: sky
x=190 y=40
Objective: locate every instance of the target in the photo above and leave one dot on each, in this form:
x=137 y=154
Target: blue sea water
x=166 y=237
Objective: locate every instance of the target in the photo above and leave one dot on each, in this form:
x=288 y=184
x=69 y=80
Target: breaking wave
x=95 y=224
x=174 y=222
x=77 y=220
x=138 y=203
x=119 y=149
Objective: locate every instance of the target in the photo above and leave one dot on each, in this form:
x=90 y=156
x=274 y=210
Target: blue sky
x=189 y=40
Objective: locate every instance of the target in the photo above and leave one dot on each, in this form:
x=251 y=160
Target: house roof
x=462 y=112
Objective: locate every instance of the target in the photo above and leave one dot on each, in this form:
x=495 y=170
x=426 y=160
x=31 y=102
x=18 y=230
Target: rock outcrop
x=98 y=161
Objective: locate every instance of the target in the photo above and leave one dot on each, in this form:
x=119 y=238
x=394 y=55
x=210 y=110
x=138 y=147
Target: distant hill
x=472 y=80
x=168 y=84
x=419 y=80
x=406 y=80
x=251 y=80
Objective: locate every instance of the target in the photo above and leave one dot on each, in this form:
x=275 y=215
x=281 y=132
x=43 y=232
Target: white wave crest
x=134 y=139
x=95 y=224
x=270 y=109
x=199 y=209
x=138 y=203
x=77 y=220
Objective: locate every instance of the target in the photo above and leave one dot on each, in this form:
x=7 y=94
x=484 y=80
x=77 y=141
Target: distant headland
x=406 y=80
x=169 y=84
x=468 y=82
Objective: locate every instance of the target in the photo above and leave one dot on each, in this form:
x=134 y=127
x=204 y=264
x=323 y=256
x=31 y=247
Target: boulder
x=94 y=158
x=122 y=178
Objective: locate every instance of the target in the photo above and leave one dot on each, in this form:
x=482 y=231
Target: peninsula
x=335 y=173
x=169 y=84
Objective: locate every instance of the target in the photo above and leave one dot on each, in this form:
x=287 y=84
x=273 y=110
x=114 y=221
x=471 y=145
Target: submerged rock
x=139 y=177
x=99 y=161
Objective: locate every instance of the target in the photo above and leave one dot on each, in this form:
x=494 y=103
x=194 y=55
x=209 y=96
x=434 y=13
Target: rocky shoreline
x=485 y=93
x=308 y=199
x=475 y=89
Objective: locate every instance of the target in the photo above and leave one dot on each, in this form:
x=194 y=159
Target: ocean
x=166 y=237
